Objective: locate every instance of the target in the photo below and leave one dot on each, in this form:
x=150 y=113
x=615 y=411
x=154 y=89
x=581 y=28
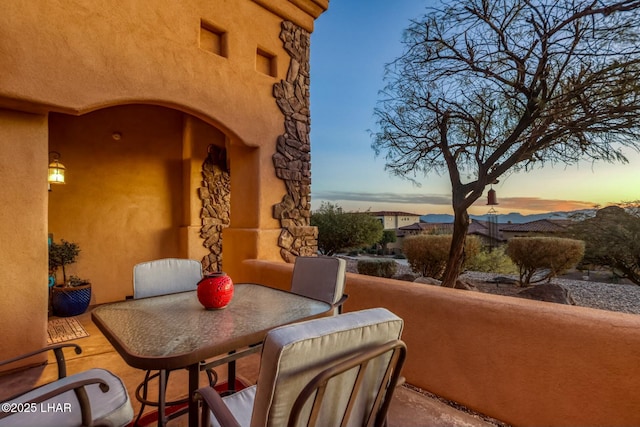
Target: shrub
x=612 y=239
x=338 y=230
x=377 y=267
x=428 y=254
x=539 y=254
x=492 y=261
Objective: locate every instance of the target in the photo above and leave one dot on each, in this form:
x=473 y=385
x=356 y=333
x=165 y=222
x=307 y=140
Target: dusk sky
x=350 y=45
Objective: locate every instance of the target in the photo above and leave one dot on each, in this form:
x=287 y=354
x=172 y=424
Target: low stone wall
x=522 y=362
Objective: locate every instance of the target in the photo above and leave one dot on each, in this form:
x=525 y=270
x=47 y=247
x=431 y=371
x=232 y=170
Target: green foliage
x=377 y=267
x=545 y=256
x=338 y=230
x=62 y=254
x=388 y=236
x=428 y=254
x=492 y=261
x=612 y=240
x=77 y=281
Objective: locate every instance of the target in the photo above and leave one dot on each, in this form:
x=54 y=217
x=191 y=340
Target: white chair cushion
x=292 y=355
x=240 y=404
x=165 y=276
x=110 y=408
x=321 y=278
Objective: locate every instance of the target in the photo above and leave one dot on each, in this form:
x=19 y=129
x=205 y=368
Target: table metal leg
x=194 y=383
x=231 y=375
x=162 y=394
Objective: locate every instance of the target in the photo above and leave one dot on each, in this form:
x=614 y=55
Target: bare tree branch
x=485 y=88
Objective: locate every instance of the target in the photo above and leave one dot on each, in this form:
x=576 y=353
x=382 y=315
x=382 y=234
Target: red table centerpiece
x=215 y=291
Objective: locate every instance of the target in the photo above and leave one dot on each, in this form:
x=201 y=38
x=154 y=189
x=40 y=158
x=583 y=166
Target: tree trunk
x=456 y=252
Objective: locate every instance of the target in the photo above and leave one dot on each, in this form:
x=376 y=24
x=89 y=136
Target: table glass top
x=177 y=326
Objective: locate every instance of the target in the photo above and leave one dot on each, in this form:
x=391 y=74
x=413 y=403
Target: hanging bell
x=492 y=198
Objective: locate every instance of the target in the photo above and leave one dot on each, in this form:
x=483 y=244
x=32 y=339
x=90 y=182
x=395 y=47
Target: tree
x=60 y=255
x=612 y=240
x=388 y=236
x=341 y=230
x=485 y=88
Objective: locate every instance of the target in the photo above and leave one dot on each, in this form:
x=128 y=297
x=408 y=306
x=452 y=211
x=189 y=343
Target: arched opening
x=132 y=190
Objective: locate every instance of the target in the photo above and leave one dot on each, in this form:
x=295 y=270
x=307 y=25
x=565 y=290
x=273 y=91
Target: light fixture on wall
x=56 y=169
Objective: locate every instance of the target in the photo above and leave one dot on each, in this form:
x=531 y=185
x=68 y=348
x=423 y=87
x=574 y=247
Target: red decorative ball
x=215 y=291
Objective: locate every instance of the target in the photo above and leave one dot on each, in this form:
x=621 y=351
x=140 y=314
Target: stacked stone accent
x=215 y=196
x=292 y=159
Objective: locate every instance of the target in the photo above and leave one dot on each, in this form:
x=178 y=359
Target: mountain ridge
x=512 y=217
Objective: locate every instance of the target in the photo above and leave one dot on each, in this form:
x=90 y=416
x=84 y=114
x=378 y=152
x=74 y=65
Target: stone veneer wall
x=292 y=159
x=215 y=196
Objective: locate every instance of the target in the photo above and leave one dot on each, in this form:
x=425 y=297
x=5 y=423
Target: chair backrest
x=294 y=355
x=319 y=277
x=165 y=276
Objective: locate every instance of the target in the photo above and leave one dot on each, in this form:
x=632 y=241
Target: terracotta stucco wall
x=23 y=234
x=77 y=57
x=122 y=202
x=523 y=362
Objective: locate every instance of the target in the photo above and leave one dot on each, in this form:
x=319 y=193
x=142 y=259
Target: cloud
x=407 y=198
x=528 y=204
x=539 y=204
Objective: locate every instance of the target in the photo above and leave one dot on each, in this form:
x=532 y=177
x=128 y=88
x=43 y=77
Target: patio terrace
x=409 y=408
x=519 y=361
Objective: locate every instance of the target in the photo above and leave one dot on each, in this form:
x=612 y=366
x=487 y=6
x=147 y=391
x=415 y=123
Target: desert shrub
x=612 y=239
x=377 y=267
x=339 y=230
x=545 y=257
x=492 y=261
x=428 y=254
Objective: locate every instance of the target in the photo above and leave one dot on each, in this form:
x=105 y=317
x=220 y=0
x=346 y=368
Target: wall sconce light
x=56 y=169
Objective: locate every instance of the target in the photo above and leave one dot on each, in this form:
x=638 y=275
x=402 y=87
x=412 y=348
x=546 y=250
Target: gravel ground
x=605 y=296
x=623 y=298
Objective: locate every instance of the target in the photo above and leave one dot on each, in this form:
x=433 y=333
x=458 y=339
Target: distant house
x=425 y=228
x=482 y=229
x=393 y=220
x=542 y=227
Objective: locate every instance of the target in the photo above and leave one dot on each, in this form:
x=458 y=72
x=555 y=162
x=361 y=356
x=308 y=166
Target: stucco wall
x=523 y=362
x=76 y=57
x=23 y=234
x=123 y=199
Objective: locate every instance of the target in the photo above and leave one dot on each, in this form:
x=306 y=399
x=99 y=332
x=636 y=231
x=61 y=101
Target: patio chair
x=163 y=277
x=332 y=371
x=321 y=278
x=93 y=397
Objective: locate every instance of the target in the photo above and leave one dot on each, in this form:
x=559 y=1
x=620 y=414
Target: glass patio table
x=174 y=331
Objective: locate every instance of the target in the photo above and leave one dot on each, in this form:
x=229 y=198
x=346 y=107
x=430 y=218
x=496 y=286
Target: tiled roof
x=481 y=228
x=539 y=226
x=427 y=226
x=392 y=213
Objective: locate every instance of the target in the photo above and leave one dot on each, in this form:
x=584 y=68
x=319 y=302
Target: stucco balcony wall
x=523 y=362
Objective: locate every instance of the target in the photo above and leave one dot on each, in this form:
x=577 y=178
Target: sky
x=351 y=43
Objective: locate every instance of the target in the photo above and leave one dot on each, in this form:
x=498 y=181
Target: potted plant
x=73 y=295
